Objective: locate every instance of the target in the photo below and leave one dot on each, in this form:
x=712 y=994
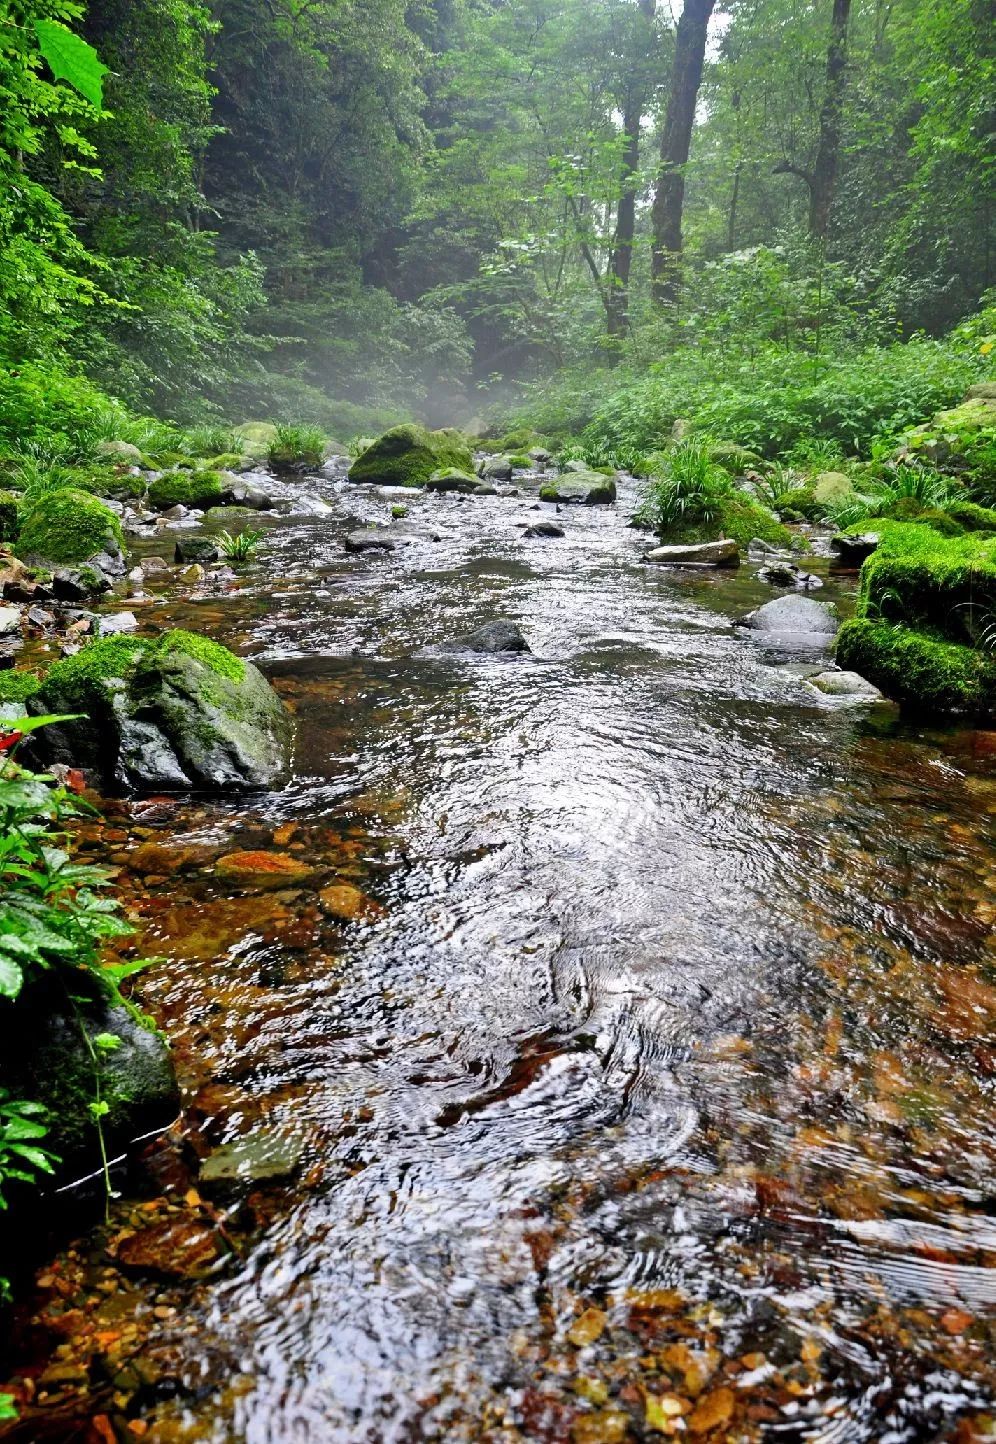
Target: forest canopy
x=348 y=211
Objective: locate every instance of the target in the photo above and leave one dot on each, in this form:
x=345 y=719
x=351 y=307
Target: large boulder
x=408 y=455
x=580 y=488
x=496 y=468
x=177 y=713
x=711 y=554
x=70 y=526
x=795 y=620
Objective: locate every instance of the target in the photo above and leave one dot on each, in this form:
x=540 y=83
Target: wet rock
x=78 y=584
x=484 y=488
x=347 y=904
x=111 y=563
x=544 y=529
x=408 y=455
x=846 y=684
x=157 y=858
x=263 y=870
x=493 y=637
x=852 y=551
x=264 y=1156
x=238 y=492
x=46 y=1057
x=174 y=1248
x=795 y=620
x=710 y=554
x=194 y=573
x=155 y=567
x=373 y=539
x=540 y=455
x=196 y=549
x=167 y=715
x=786 y=574
x=452 y=479
x=496 y=468
x=40 y=617
x=118 y=623
x=10 y=621
x=757 y=546
x=580 y=488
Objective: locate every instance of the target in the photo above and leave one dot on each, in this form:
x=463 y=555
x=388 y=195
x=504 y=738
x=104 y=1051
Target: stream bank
x=613 y=1051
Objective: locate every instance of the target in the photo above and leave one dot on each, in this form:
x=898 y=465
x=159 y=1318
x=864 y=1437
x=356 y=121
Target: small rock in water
x=544 y=528
x=184 y=1248
x=263 y=869
x=492 y=637
x=260 y=1157
x=346 y=903
x=196 y=549
x=194 y=573
x=484 y=488
x=762 y=548
x=118 y=623
x=373 y=540
x=798 y=621
x=724 y=553
x=786 y=574
x=10 y=621
x=846 y=684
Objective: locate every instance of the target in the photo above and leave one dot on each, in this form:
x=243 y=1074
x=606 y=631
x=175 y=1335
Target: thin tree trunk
x=676 y=139
x=831 y=119
x=621 y=263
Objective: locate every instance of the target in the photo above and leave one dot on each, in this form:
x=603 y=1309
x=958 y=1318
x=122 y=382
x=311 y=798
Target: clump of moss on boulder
x=920 y=579
x=921 y=671
x=409 y=455
x=580 y=488
x=172 y=713
x=17 y=686
x=69 y=525
x=199 y=489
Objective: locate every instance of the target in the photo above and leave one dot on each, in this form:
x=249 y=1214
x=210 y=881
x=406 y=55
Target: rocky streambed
x=590 y=1039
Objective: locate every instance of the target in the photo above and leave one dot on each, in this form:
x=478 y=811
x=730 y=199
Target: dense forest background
x=344 y=211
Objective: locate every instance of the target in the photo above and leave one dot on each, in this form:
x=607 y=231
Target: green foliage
x=240 y=550
x=686 y=493
x=17 y=686
x=296 y=447
x=70 y=58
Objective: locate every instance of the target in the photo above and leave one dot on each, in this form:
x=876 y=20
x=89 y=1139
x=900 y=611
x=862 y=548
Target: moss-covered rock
x=199 y=489
x=18 y=686
x=171 y=714
x=740 y=518
x=580 y=488
x=920 y=579
x=70 y=526
x=452 y=479
x=972 y=517
x=733 y=457
x=256 y=438
x=919 y=670
x=831 y=487
x=799 y=502
x=9 y=520
x=409 y=455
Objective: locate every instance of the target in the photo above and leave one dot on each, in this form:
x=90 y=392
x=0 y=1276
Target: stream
x=650 y=1092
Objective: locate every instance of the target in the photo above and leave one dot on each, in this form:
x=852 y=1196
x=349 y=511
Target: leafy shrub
x=40 y=401
x=297 y=446
x=685 y=493
x=240 y=549
x=9 y=523
x=211 y=441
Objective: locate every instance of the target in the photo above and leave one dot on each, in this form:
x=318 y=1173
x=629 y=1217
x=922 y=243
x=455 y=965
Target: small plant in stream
x=241 y=549
x=297 y=446
x=687 y=491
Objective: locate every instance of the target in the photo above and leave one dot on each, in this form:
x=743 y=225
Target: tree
x=676 y=138
x=634 y=105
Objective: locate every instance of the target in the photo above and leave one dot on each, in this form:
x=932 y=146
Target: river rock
x=484 y=488
x=850 y=685
x=347 y=904
x=493 y=637
x=263 y=1156
x=373 y=539
x=786 y=574
x=409 y=455
x=580 y=488
x=120 y=622
x=10 y=621
x=710 y=554
x=120 y=451
x=263 y=870
x=796 y=620
x=183 y=1247
x=451 y=478
x=238 y=492
x=168 y=715
x=196 y=549
x=852 y=551
x=78 y=584
x=544 y=529
x=496 y=468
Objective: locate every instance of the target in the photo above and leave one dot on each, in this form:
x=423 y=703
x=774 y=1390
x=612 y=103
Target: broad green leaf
x=11 y=977
x=71 y=58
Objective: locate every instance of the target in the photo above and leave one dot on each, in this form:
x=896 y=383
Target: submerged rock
x=795 y=620
x=264 y=1156
x=262 y=869
x=177 y=713
x=373 y=539
x=492 y=637
x=580 y=488
x=711 y=554
x=846 y=684
x=347 y=904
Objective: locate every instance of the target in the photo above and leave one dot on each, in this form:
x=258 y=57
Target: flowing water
x=653 y=1098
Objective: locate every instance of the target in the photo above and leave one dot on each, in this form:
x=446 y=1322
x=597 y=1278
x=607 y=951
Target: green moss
x=200 y=489
x=946 y=585
x=917 y=669
x=801 y=502
x=69 y=525
x=408 y=455
x=520 y=440
x=78 y=683
x=18 y=686
x=972 y=517
x=521 y=463
x=732 y=457
x=9 y=520
x=227 y=461
x=219 y=659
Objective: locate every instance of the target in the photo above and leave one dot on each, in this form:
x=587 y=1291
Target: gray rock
x=155 y=567
x=710 y=554
x=484 y=488
x=493 y=637
x=760 y=547
x=260 y=1157
x=786 y=574
x=196 y=549
x=452 y=480
x=496 y=468
x=540 y=455
x=796 y=620
x=10 y=621
x=112 y=564
x=237 y=492
x=581 y=488
x=852 y=551
x=78 y=584
x=850 y=685
x=543 y=529
x=122 y=451
x=373 y=540
x=118 y=623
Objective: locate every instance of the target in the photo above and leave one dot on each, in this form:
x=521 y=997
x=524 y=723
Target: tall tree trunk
x=831 y=118
x=676 y=139
x=621 y=263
